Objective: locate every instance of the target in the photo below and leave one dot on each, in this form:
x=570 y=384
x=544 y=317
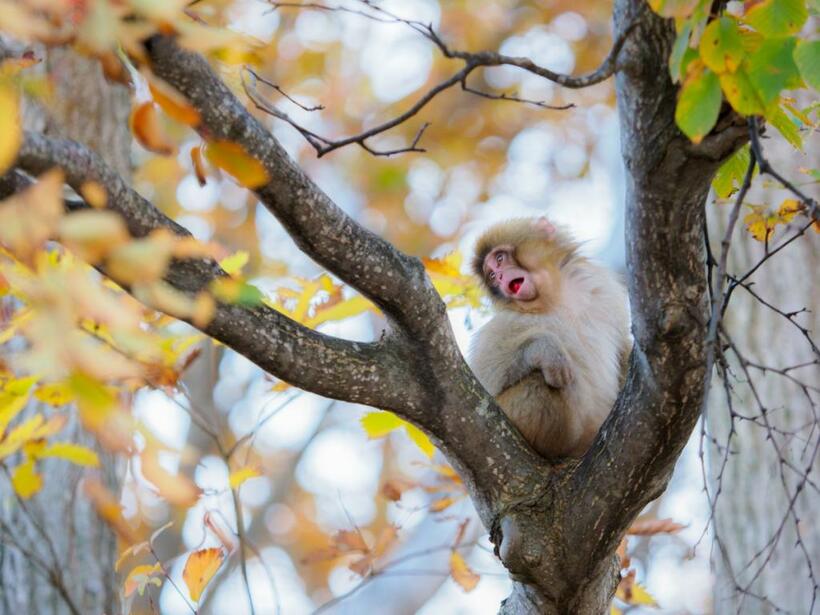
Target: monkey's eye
x=491 y=276
x=499 y=258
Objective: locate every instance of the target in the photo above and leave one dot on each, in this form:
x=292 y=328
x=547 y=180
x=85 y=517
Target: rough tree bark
x=555 y=528
x=753 y=501
x=59 y=525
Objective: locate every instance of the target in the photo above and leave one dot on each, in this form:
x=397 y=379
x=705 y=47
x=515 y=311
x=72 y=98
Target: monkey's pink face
x=503 y=272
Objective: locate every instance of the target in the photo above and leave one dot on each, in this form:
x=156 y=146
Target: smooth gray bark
x=59 y=526
x=753 y=501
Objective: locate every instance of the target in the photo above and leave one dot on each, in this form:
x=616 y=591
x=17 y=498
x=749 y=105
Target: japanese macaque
x=555 y=352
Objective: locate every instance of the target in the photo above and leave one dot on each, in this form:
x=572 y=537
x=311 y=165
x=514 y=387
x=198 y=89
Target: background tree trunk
x=59 y=526
x=756 y=489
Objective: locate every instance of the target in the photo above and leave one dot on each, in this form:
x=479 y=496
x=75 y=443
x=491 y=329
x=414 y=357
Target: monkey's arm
x=544 y=354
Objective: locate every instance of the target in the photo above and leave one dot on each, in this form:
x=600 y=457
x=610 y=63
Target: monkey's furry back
x=591 y=323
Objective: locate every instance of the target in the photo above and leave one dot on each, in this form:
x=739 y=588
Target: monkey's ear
x=542 y=224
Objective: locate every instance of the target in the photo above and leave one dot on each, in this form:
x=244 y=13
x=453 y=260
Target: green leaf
x=698 y=106
x=785 y=125
x=774 y=18
x=807 y=59
x=740 y=93
x=731 y=173
x=771 y=69
x=721 y=47
x=679 y=50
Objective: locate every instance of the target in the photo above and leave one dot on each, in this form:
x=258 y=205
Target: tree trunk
x=756 y=488
x=57 y=534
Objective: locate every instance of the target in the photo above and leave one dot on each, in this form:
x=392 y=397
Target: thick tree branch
x=329 y=366
x=462 y=418
x=426 y=381
x=394 y=281
x=667 y=183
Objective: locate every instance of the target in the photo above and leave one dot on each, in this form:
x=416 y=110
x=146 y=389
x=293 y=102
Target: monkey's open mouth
x=515 y=285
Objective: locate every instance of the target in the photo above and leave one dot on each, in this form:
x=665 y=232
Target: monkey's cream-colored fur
x=581 y=343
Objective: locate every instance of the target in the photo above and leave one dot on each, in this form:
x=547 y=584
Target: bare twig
x=471 y=60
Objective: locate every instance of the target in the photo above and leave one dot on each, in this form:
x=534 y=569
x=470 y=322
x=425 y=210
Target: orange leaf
x=443 y=504
x=461 y=572
x=146 y=127
x=200 y=569
x=362 y=565
x=650 y=527
x=109 y=510
x=94 y=194
x=11 y=127
x=350 y=540
x=178 y=489
x=173 y=103
x=386 y=538
x=235 y=161
x=199 y=165
x=140 y=577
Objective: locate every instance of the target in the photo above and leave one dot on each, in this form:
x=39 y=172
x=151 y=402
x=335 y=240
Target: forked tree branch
x=425 y=380
x=394 y=281
x=308 y=359
x=462 y=418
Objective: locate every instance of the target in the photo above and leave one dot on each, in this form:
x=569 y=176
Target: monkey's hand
x=557 y=372
x=543 y=354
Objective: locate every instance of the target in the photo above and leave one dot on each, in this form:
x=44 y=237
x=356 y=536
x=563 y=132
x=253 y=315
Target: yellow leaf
x=74 y=453
x=234 y=160
x=30 y=217
x=55 y=394
x=239 y=476
x=146 y=126
x=641 y=596
x=93 y=234
x=759 y=223
x=233 y=264
x=200 y=569
x=789 y=209
x=457 y=289
x=461 y=572
x=13 y=326
x=13 y=398
x=614 y=610
x=380 y=423
x=139 y=578
x=21 y=434
x=133 y=550
x=420 y=439
x=142 y=260
x=355 y=305
x=25 y=480
x=11 y=127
